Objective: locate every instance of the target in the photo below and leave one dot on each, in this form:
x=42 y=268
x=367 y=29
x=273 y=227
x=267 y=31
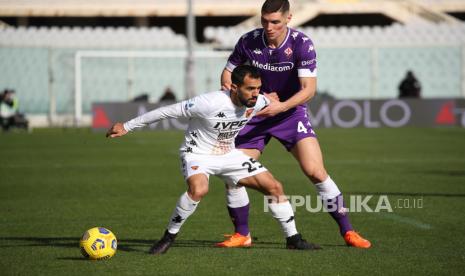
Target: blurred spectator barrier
x=323 y=113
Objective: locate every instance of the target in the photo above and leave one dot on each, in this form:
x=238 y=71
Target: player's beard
x=250 y=102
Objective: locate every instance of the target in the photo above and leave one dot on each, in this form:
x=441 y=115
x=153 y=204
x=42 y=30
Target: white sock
x=283 y=213
x=184 y=208
x=236 y=196
x=327 y=189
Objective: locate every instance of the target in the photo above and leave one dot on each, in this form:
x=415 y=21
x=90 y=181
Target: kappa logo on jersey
x=294 y=35
x=194 y=134
x=257 y=51
x=288 y=51
x=256 y=34
x=230 y=125
x=311 y=48
x=188 y=104
x=220 y=115
x=305 y=39
x=274 y=67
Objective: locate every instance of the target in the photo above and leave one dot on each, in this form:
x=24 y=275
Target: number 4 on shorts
x=301 y=127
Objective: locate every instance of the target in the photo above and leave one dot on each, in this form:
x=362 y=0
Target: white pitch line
x=406 y=220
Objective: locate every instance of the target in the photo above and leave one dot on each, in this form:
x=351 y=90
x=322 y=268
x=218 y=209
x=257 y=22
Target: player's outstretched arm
x=117 y=130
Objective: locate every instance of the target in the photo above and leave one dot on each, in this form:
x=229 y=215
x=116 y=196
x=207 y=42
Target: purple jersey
x=281 y=67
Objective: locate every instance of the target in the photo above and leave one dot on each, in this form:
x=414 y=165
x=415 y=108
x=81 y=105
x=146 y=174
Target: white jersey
x=214 y=121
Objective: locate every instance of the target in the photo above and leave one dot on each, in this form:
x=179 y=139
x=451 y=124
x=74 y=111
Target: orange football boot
x=352 y=238
x=236 y=240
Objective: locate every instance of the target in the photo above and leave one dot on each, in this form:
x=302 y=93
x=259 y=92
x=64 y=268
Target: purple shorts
x=288 y=128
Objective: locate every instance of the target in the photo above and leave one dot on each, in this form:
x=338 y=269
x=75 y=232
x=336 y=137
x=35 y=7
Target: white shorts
x=230 y=167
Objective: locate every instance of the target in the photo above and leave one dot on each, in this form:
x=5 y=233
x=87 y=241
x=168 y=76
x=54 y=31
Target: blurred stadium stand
x=364 y=47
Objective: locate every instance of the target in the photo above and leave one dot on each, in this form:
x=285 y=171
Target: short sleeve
x=306 y=57
x=238 y=56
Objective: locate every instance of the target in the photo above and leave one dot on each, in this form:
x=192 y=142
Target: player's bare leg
x=254 y=153
x=308 y=153
x=186 y=205
x=280 y=208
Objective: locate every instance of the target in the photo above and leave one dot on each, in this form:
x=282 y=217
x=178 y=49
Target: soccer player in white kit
x=215 y=119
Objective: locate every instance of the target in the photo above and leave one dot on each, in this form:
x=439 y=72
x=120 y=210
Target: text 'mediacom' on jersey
x=274 y=67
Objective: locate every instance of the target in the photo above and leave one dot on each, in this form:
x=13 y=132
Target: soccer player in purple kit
x=286 y=59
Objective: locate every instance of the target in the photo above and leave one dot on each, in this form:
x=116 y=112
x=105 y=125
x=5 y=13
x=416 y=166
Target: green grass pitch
x=56 y=183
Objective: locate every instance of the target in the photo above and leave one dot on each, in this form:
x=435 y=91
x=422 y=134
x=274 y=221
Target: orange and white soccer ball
x=98 y=243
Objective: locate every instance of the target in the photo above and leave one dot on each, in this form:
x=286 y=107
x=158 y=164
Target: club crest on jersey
x=288 y=51
x=194 y=167
x=257 y=51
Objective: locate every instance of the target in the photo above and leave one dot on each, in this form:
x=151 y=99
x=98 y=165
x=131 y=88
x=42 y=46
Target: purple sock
x=336 y=209
x=240 y=218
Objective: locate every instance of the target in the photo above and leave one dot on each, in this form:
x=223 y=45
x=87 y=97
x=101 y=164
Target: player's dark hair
x=271 y=6
x=240 y=72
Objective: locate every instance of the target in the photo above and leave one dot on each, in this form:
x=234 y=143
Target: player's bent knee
x=197 y=193
x=316 y=174
x=275 y=188
x=198 y=186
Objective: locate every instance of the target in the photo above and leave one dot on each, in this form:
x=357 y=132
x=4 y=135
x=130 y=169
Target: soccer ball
x=98 y=243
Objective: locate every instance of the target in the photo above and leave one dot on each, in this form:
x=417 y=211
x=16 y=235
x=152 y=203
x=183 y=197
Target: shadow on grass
x=458 y=173
x=72 y=259
x=128 y=245
x=131 y=245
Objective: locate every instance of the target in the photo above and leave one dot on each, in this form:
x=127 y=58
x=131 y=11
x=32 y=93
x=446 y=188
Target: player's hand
x=117 y=130
x=275 y=107
x=272 y=95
